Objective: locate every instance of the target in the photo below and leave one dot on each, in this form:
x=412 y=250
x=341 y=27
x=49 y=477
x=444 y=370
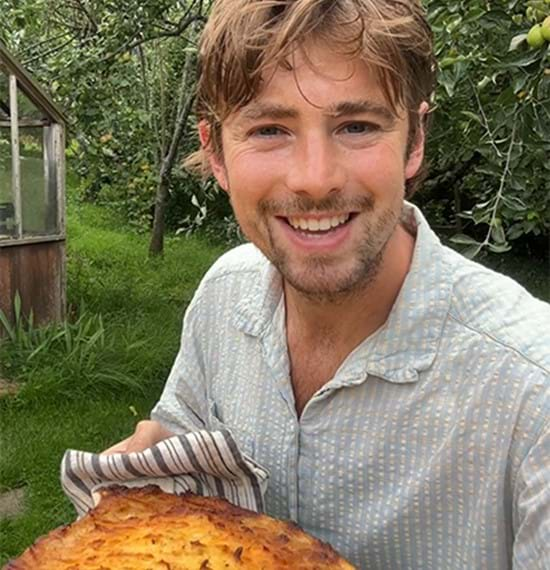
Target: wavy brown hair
x=243 y=37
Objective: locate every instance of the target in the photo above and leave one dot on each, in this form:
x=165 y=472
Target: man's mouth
x=318 y=225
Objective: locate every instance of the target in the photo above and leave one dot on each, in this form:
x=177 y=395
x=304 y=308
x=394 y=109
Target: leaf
x=523 y=61
x=195 y=201
x=473 y=116
x=517 y=41
x=6 y=325
x=514 y=202
x=472 y=251
x=448 y=82
x=497 y=233
x=483 y=83
x=462 y=239
x=500 y=248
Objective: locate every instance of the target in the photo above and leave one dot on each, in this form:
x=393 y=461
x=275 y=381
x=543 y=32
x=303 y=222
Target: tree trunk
x=156 y=245
x=185 y=104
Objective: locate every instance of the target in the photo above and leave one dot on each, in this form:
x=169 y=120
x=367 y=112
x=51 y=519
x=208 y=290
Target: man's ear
x=416 y=153
x=215 y=160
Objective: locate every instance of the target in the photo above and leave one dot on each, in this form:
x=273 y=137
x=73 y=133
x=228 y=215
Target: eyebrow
x=258 y=111
x=361 y=107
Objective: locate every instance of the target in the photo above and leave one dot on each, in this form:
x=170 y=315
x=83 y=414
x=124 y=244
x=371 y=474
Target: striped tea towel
x=207 y=463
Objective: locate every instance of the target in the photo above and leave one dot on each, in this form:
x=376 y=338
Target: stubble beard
x=315 y=279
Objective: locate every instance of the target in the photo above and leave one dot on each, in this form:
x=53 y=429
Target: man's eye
x=358 y=128
x=269 y=131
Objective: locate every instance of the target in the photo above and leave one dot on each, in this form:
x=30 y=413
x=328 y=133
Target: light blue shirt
x=430 y=447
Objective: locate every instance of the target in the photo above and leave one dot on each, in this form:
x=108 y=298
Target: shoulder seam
x=500 y=343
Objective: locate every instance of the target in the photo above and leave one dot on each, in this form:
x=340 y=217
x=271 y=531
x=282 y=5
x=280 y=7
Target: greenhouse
x=32 y=184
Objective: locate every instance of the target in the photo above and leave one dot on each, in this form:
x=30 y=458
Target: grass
x=33 y=439
x=85 y=384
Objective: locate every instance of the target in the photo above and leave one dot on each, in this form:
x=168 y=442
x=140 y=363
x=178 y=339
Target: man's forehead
x=330 y=81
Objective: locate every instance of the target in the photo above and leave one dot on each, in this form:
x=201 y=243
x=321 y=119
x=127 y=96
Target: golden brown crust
x=146 y=529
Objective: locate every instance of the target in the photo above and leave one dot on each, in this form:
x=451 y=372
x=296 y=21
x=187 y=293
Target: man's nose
x=316 y=169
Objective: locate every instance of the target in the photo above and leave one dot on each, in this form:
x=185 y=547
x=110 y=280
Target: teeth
x=323 y=224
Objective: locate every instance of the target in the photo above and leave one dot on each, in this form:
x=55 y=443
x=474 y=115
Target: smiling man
x=397 y=392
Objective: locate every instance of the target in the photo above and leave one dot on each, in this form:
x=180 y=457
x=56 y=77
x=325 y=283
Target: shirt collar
x=408 y=342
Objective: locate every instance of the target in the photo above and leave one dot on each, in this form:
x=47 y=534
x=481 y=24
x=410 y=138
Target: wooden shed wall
x=37 y=271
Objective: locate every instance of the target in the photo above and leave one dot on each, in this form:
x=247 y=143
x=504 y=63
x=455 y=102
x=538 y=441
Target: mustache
x=307 y=205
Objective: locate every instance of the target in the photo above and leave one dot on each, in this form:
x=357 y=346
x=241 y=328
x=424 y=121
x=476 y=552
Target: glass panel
x=27 y=109
x=51 y=181
x=7 y=219
x=34 y=198
x=4 y=96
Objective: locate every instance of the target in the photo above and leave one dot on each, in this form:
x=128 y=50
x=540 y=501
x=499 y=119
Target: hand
x=146 y=434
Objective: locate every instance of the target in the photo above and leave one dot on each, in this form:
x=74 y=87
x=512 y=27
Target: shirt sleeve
x=183 y=405
x=531 y=549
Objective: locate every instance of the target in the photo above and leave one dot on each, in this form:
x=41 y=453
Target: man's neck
x=351 y=319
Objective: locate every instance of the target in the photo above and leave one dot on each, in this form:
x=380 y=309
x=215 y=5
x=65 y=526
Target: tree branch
x=500 y=192
x=133 y=42
x=485 y=121
x=33 y=47
x=27 y=62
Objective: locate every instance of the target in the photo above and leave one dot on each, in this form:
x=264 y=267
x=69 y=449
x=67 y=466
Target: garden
x=141 y=231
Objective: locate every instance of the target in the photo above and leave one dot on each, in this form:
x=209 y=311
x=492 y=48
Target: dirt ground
x=7 y=388
x=12 y=503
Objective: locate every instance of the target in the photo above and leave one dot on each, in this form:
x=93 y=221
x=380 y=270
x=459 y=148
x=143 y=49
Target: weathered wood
x=27 y=123
x=30 y=87
x=59 y=161
x=37 y=272
x=15 y=162
x=30 y=240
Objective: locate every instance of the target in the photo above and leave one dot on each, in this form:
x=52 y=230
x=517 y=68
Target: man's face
x=315 y=167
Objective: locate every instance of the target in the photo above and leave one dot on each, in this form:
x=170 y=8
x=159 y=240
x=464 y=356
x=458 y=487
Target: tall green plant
x=69 y=358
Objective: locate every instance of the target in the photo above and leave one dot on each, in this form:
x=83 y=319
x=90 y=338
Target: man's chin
x=326 y=287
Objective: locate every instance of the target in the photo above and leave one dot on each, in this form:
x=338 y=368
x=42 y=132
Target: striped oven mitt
x=206 y=463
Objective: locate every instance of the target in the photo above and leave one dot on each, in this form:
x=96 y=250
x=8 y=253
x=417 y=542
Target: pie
x=146 y=529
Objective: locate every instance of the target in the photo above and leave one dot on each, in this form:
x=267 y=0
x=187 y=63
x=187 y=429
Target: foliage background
x=116 y=69
x=490 y=145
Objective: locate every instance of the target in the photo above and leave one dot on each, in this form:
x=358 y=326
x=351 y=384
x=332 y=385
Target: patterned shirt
x=430 y=446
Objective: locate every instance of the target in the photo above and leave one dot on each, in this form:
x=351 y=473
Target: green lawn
x=93 y=380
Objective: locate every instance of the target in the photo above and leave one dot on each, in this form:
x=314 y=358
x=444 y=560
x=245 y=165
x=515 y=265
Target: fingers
x=119 y=447
x=144 y=436
x=147 y=433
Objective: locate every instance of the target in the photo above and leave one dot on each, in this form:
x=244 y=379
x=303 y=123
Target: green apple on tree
x=535 y=38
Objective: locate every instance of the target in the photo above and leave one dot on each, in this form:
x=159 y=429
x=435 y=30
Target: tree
x=490 y=142
x=185 y=102
x=120 y=73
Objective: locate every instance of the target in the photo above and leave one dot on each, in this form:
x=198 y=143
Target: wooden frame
x=15 y=157
x=32 y=251
x=53 y=155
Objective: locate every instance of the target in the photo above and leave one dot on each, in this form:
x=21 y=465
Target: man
x=397 y=392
